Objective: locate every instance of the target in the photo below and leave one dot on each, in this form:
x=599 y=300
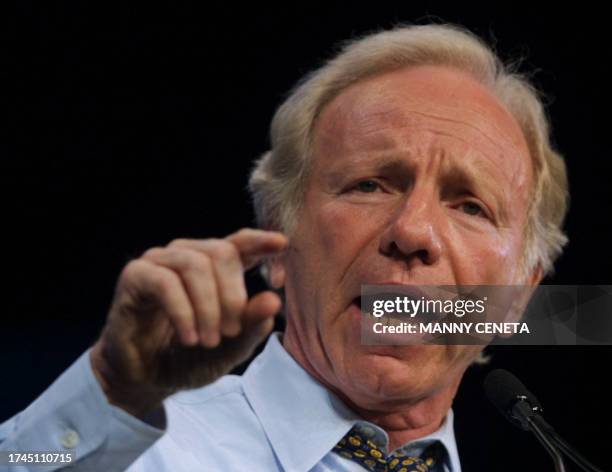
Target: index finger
x=255 y=244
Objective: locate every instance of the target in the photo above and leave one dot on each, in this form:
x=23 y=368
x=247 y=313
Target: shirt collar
x=294 y=409
x=445 y=434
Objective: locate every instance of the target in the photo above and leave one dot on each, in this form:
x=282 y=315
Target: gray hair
x=278 y=177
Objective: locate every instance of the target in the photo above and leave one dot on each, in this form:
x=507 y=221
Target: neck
x=403 y=420
x=407 y=420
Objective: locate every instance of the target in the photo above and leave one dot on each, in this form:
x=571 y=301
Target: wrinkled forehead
x=382 y=111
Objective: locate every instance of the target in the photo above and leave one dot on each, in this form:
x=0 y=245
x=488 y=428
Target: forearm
x=73 y=415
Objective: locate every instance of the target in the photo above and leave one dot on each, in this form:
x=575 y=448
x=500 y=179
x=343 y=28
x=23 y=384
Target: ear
x=522 y=298
x=536 y=276
x=276 y=271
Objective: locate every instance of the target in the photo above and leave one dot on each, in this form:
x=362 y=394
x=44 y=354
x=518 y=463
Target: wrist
x=134 y=398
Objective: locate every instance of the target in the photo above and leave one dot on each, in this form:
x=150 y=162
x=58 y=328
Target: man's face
x=420 y=177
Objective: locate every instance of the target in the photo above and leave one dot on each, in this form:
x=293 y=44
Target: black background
x=132 y=126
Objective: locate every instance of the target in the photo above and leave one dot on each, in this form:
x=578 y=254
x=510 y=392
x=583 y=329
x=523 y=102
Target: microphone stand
x=523 y=411
x=555 y=445
x=563 y=445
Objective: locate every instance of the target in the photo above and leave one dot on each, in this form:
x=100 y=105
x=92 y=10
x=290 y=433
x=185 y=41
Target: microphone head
x=504 y=390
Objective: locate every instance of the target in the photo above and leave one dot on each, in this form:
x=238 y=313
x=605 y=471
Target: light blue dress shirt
x=274 y=417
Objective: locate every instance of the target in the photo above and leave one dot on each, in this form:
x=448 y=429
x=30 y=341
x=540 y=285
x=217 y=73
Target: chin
x=397 y=358
x=388 y=385
x=416 y=354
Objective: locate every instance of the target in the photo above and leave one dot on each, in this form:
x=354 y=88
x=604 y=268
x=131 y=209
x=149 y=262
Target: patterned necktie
x=356 y=446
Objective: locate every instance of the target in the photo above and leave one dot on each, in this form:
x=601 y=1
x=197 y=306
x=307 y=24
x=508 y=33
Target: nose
x=413 y=233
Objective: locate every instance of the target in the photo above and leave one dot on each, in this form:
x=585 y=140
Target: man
x=414 y=157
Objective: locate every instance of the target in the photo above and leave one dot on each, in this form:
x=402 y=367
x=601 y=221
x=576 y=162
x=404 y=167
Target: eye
x=367 y=186
x=473 y=209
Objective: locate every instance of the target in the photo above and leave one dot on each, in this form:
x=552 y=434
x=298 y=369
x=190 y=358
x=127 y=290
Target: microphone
x=519 y=406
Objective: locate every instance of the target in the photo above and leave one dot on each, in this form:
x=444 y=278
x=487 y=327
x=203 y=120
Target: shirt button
x=70 y=439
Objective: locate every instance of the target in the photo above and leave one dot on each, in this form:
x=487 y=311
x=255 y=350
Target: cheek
x=485 y=259
x=332 y=226
x=325 y=243
x=500 y=261
x=341 y=231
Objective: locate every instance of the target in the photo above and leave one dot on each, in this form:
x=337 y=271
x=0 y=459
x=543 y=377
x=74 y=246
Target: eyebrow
x=478 y=179
x=390 y=165
x=393 y=165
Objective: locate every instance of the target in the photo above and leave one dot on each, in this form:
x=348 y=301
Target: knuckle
x=246 y=231
x=224 y=251
x=152 y=252
x=133 y=269
x=179 y=242
x=198 y=262
x=163 y=281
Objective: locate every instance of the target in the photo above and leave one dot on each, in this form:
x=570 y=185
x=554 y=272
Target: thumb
x=258 y=317
x=257 y=322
